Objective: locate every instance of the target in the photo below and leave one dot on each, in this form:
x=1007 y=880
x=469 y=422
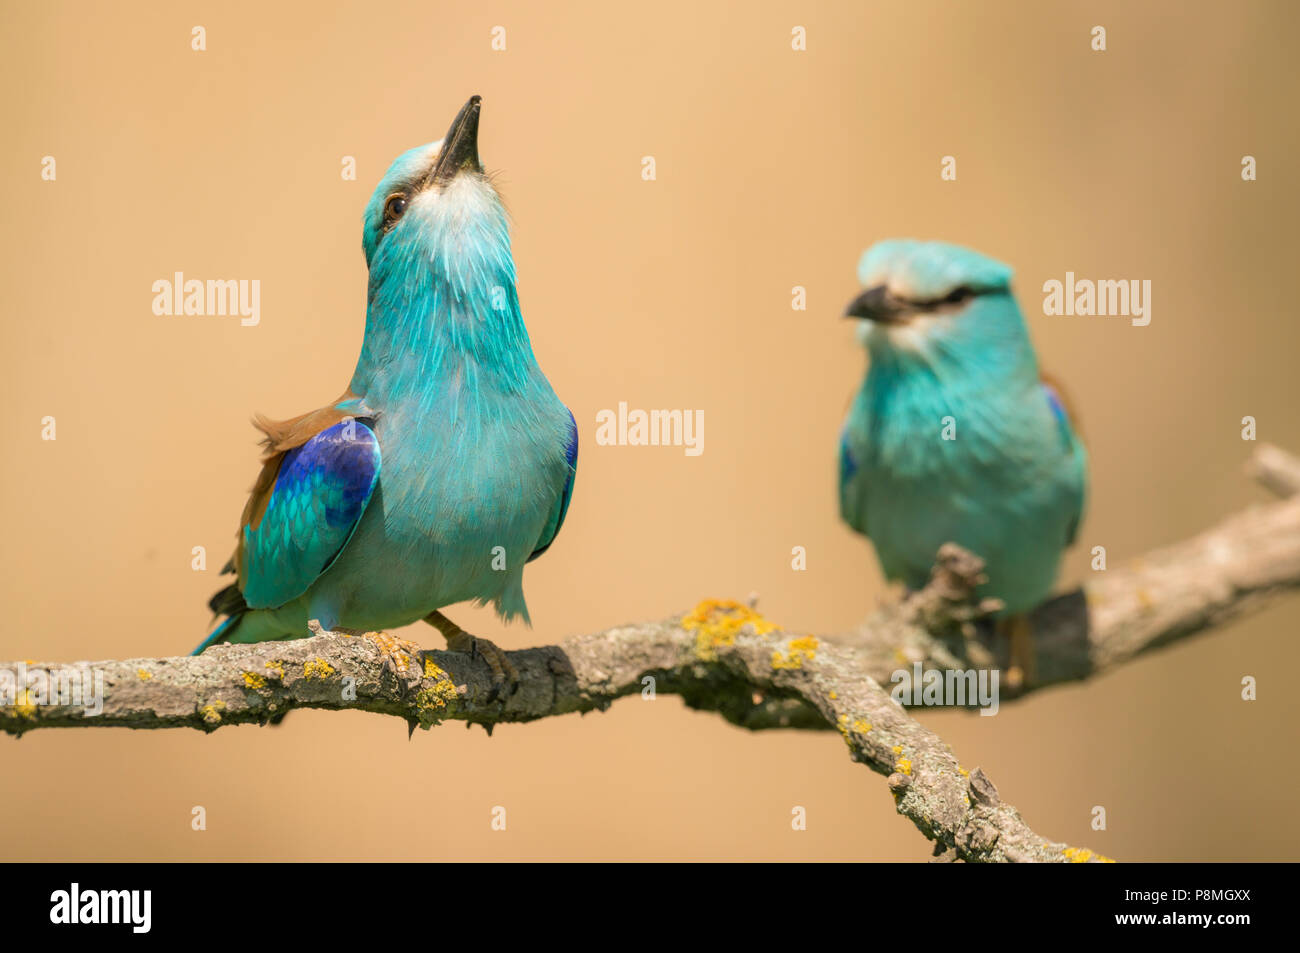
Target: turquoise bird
x=446 y=465
x=954 y=435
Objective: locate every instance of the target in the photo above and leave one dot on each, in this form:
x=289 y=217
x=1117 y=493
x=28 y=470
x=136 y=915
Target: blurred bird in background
x=954 y=435
x=446 y=465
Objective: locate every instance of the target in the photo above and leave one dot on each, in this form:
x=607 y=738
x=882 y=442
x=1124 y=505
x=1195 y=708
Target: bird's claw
x=504 y=675
x=1020 y=670
x=398 y=656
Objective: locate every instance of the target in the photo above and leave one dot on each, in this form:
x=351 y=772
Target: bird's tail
x=219 y=634
x=230 y=603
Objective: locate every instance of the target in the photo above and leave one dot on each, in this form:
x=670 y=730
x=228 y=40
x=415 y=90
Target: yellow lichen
x=717 y=622
x=143 y=674
x=317 y=668
x=212 y=713
x=23 y=705
x=904 y=766
x=1081 y=855
x=834 y=695
x=963 y=772
x=253 y=680
x=276 y=669
x=800 y=650
x=897 y=749
x=858 y=726
x=431 y=702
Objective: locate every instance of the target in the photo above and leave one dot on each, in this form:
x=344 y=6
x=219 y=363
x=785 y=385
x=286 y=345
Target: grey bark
x=727 y=658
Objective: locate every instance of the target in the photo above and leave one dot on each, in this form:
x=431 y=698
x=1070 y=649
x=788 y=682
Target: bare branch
x=1276 y=469
x=1165 y=596
x=725 y=657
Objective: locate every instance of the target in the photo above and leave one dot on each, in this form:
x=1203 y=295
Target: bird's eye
x=957 y=295
x=393 y=208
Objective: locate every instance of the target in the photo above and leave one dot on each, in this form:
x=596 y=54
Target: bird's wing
x=1077 y=481
x=319 y=473
x=562 y=503
x=850 y=510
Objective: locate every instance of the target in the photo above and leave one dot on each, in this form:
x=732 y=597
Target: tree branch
x=1165 y=596
x=725 y=657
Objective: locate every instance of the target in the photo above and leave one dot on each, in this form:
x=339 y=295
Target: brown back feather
x=281 y=436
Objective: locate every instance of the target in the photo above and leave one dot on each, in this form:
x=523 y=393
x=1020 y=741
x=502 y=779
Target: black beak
x=877 y=304
x=459 y=146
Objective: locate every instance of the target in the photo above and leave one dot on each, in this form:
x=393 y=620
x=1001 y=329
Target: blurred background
x=775 y=168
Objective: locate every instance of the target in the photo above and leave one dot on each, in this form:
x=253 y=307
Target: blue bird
x=954 y=435
x=446 y=465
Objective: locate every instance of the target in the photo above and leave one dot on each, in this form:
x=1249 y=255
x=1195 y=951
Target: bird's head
x=436 y=217
x=924 y=301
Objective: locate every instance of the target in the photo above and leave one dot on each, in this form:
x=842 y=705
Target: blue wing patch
x=852 y=509
x=1058 y=411
x=553 y=525
x=320 y=492
x=1079 y=460
x=848 y=466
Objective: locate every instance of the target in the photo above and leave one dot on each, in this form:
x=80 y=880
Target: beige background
x=775 y=169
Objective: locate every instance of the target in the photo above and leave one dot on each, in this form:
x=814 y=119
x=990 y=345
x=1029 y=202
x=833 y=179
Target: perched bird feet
x=505 y=677
x=401 y=659
x=398 y=654
x=1021 y=663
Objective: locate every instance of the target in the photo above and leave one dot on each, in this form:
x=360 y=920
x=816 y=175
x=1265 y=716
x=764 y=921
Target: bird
x=955 y=435
x=446 y=465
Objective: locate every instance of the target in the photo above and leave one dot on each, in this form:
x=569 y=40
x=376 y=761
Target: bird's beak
x=459 y=146
x=877 y=304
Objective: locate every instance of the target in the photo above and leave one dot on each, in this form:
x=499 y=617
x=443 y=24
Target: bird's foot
x=505 y=677
x=399 y=655
x=401 y=658
x=1021 y=664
